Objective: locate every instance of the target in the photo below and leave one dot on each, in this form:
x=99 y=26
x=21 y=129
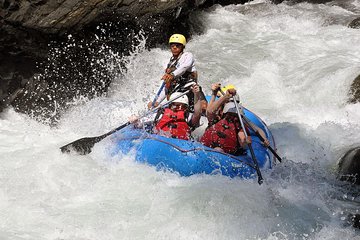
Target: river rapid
x=292 y=66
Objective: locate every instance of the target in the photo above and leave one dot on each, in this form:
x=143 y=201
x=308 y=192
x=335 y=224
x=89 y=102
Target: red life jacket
x=174 y=123
x=223 y=134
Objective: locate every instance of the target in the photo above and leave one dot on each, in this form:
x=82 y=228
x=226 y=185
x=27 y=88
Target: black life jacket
x=175 y=86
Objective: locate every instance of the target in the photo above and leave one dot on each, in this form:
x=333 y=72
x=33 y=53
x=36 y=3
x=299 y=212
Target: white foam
x=290 y=65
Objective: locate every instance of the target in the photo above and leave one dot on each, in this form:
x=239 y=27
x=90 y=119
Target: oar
x=256 y=165
x=84 y=145
x=157 y=94
x=248 y=122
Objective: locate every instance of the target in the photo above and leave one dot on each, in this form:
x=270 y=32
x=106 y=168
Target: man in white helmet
x=174 y=121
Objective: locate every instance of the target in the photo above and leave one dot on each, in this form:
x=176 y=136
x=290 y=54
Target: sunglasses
x=177 y=45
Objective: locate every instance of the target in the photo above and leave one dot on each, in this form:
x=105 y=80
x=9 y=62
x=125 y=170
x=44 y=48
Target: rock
x=223 y=2
x=355 y=23
x=354 y=91
x=15 y=71
x=299 y=1
x=355 y=220
x=349 y=166
x=349 y=170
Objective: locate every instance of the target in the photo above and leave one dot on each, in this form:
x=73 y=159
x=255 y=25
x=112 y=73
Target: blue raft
x=191 y=157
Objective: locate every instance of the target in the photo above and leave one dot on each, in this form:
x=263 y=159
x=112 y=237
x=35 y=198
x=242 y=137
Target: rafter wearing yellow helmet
x=180 y=71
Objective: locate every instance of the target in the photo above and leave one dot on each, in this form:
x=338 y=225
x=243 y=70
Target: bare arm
x=195 y=119
x=211 y=109
x=214 y=106
x=261 y=132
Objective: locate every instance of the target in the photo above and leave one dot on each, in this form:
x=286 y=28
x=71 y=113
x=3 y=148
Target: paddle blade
x=82 y=146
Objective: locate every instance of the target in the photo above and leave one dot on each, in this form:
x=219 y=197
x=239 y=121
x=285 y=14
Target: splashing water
x=292 y=65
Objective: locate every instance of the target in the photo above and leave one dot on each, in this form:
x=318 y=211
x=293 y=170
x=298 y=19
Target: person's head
x=229 y=108
x=177 y=43
x=181 y=103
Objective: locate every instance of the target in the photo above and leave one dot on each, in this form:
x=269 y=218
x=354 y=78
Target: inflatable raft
x=191 y=157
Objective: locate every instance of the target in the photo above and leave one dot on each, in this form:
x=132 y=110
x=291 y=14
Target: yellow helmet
x=224 y=89
x=177 y=38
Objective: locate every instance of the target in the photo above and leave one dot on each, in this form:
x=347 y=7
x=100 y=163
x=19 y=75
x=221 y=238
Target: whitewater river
x=292 y=65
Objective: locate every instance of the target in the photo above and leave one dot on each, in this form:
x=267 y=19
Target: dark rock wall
x=355 y=23
x=31 y=30
x=299 y=1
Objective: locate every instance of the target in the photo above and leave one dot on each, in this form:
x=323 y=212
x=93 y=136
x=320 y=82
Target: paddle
x=84 y=145
x=157 y=94
x=256 y=165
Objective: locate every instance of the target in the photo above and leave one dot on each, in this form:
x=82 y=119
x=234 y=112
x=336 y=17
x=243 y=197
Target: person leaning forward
x=174 y=120
x=224 y=132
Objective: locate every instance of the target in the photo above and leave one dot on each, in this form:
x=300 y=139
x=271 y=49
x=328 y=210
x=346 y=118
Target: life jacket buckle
x=225 y=126
x=221 y=134
x=172 y=125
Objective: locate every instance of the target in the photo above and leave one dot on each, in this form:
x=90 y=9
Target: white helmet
x=183 y=99
x=229 y=107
